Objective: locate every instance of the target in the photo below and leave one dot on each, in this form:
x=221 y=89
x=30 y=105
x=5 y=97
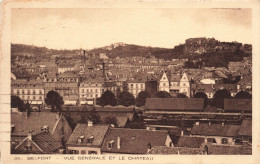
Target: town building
x=238 y=105
x=134 y=141
x=135 y=86
x=93 y=88
x=31 y=91
x=87 y=139
x=66 y=84
x=222 y=134
x=23 y=123
x=174 y=104
x=173 y=83
x=41 y=143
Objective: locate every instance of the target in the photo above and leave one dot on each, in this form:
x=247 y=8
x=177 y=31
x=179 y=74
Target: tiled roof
x=245 y=80
x=97 y=131
x=46 y=142
x=35 y=122
x=246 y=128
x=174 y=104
x=238 y=105
x=190 y=142
x=133 y=141
x=119 y=108
x=229 y=150
x=174 y=150
x=69 y=74
x=215 y=130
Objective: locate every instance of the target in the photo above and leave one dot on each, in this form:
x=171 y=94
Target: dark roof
x=215 y=130
x=246 y=128
x=97 y=131
x=46 y=142
x=35 y=121
x=174 y=150
x=229 y=150
x=238 y=105
x=174 y=103
x=190 y=142
x=133 y=141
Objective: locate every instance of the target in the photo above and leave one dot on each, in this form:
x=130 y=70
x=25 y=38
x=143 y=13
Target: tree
x=162 y=94
x=69 y=119
x=83 y=116
x=54 y=99
x=141 y=98
x=202 y=95
x=219 y=96
x=181 y=95
x=111 y=120
x=243 y=95
x=107 y=98
x=93 y=116
x=126 y=99
x=16 y=102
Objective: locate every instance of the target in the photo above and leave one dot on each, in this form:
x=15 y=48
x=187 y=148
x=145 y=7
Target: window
x=142 y=86
x=164 y=84
x=110 y=144
x=90 y=139
x=184 y=84
x=40 y=92
x=96 y=90
x=33 y=97
x=80 y=139
x=28 y=98
x=28 y=148
x=29 y=92
x=22 y=91
x=82 y=90
x=18 y=92
x=83 y=151
x=92 y=152
x=40 y=98
x=224 y=140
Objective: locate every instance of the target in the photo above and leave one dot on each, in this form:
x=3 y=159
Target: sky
x=92 y=28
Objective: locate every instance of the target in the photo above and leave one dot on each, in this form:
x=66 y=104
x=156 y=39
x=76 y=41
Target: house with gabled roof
x=222 y=134
x=22 y=123
x=134 y=141
x=87 y=139
x=41 y=143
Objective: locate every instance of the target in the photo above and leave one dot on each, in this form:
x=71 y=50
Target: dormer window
x=110 y=144
x=81 y=139
x=45 y=128
x=90 y=139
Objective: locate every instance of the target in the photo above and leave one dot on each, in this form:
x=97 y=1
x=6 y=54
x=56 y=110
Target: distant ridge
x=208 y=50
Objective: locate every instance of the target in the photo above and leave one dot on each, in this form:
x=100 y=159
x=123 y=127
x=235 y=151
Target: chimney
x=209 y=123
x=29 y=136
x=197 y=123
x=147 y=128
x=181 y=132
x=118 y=142
x=223 y=124
x=205 y=140
x=90 y=123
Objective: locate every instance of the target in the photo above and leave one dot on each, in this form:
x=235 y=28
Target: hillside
x=210 y=52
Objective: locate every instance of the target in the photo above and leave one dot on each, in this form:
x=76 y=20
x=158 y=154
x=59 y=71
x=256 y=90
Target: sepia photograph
x=130 y=81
